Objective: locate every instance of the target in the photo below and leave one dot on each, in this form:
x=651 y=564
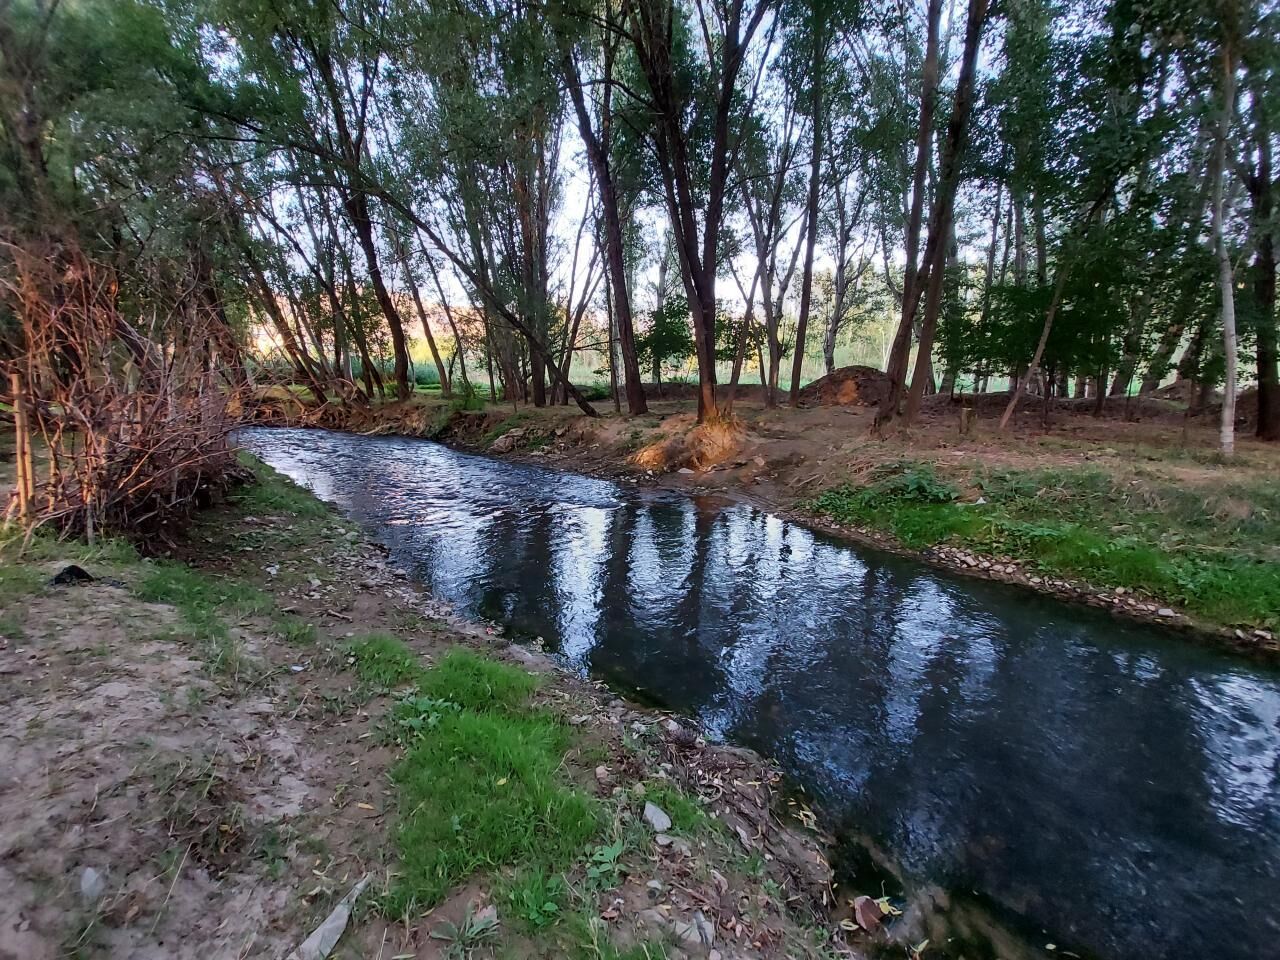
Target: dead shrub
x=132 y=411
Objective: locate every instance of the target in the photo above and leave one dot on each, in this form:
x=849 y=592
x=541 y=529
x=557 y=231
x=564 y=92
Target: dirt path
x=197 y=763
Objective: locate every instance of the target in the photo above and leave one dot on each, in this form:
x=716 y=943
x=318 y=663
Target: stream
x=1040 y=773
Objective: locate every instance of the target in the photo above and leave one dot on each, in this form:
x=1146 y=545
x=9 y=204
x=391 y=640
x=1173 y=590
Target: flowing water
x=1108 y=789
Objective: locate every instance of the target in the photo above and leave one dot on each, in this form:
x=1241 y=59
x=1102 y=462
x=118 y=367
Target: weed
x=592 y=935
x=604 y=867
x=536 y=896
x=465 y=937
x=296 y=630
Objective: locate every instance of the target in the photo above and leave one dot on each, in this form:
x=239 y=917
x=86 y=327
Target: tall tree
x=660 y=37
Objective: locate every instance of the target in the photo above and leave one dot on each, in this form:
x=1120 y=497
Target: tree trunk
x=943 y=201
x=1262 y=189
x=811 y=212
x=357 y=205
x=899 y=354
x=1226 y=277
x=615 y=253
x=411 y=280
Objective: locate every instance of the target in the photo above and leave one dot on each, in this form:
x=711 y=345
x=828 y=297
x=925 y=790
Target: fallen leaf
x=867 y=912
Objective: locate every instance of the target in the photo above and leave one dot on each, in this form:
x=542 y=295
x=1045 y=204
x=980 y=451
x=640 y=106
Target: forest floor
x=1135 y=511
x=204 y=753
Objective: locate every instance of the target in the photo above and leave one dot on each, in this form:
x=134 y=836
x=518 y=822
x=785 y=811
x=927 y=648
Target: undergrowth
x=1215 y=552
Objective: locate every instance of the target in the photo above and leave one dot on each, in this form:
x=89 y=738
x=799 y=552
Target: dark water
x=1101 y=787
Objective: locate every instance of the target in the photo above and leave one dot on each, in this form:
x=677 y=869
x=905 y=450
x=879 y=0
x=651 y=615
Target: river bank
x=1122 y=514
x=223 y=742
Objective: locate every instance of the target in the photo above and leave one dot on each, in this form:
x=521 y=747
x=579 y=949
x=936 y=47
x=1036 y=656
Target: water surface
x=1103 y=787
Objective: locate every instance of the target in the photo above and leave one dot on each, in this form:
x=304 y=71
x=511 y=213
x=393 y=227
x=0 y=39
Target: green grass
x=295 y=630
x=275 y=493
x=17 y=582
x=383 y=661
x=688 y=818
x=1215 y=551
x=480 y=782
x=535 y=897
x=11 y=626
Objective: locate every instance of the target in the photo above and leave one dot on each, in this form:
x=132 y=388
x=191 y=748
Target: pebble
x=656 y=817
x=1165 y=612
x=699 y=932
x=92 y=884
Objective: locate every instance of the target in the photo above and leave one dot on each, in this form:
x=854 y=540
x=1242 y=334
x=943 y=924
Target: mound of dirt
x=700 y=447
x=848 y=386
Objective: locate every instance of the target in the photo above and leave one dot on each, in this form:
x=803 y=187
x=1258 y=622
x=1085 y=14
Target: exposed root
x=700 y=448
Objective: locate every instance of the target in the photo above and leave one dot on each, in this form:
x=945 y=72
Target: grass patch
x=1212 y=550
x=17 y=582
x=296 y=630
x=11 y=627
x=275 y=493
x=688 y=818
x=535 y=897
x=383 y=661
x=197 y=594
x=480 y=784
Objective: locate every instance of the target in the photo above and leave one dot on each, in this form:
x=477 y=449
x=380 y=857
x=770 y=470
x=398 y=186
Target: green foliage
x=462 y=938
x=536 y=897
x=668 y=339
x=604 y=866
x=466 y=398
x=480 y=782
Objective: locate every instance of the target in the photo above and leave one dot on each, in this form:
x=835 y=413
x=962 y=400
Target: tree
x=660 y=39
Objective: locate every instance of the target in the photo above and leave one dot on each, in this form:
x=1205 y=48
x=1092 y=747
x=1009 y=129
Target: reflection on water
x=1117 y=790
